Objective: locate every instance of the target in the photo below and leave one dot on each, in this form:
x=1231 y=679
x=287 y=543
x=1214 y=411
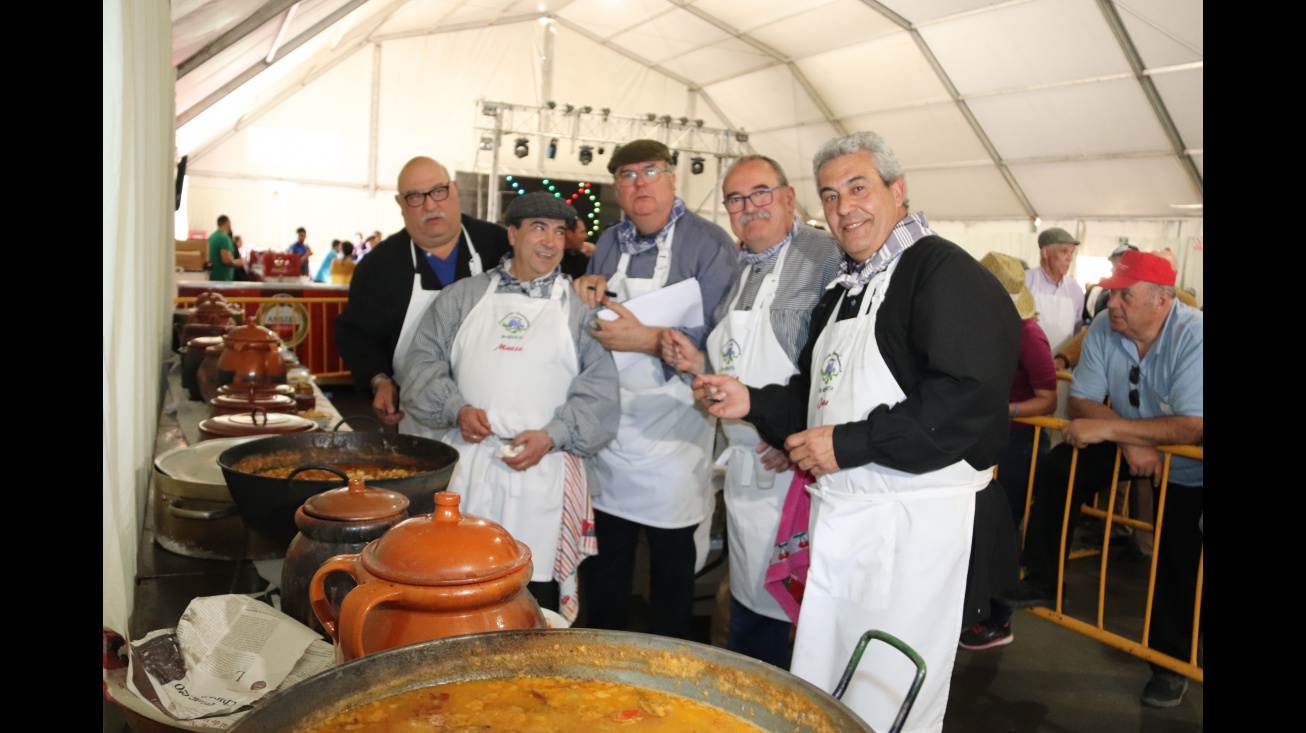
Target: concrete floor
x=1050 y=680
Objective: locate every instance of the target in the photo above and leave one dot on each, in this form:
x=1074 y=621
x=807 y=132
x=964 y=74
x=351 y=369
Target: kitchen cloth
x=786 y=576
x=576 y=539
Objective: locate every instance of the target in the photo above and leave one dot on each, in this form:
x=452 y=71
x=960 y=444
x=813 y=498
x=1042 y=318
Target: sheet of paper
x=678 y=305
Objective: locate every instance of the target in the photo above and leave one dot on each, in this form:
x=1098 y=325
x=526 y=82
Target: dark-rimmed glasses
x=417 y=198
x=627 y=178
x=1133 y=379
x=761 y=197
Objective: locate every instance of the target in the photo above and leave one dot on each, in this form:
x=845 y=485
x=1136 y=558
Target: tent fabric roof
x=1057 y=109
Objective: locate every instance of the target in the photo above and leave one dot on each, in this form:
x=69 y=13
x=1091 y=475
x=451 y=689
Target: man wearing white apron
x=900 y=411
x=394 y=287
x=655 y=478
x=1058 y=298
x=761 y=326
x=503 y=367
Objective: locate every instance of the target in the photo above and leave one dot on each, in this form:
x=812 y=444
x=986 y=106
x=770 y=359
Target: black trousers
x=607 y=579
x=1177 y=552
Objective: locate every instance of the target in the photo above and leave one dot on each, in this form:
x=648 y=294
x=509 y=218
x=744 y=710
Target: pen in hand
x=608 y=293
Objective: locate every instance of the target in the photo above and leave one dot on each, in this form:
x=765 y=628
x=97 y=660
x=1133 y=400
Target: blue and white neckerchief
x=854 y=275
x=632 y=243
x=752 y=259
x=540 y=287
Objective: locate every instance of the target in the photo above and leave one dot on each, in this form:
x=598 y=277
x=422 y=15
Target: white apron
x=744 y=345
x=515 y=358
x=889 y=550
x=418 y=304
x=658 y=470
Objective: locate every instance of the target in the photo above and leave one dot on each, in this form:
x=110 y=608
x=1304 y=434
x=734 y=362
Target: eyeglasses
x=1133 y=379
x=627 y=178
x=417 y=198
x=760 y=197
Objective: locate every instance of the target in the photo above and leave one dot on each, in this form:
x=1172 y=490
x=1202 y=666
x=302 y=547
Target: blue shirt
x=445 y=269
x=1170 y=376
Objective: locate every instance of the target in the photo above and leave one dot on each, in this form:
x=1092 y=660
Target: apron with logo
x=889 y=549
x=418 y=304
x=515 y=358
x=658 y=470
x=744 y=345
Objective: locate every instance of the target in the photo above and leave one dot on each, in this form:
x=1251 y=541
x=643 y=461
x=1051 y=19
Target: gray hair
x=885 y=161
x=779 y=172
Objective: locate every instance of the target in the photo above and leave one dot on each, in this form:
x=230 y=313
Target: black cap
x=539 y=205
x=638 y=151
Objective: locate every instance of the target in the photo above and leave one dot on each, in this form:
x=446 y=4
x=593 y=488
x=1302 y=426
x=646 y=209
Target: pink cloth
x=576 y=540
x=786 y=577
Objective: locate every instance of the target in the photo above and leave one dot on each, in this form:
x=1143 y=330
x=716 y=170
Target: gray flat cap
x=638 y=151
x=1056 y=235
x=539 y=205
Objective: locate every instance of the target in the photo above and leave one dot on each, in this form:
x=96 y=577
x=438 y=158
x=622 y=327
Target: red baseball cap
x=1135 y=266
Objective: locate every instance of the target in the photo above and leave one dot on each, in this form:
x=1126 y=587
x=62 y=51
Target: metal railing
x=1096 y=628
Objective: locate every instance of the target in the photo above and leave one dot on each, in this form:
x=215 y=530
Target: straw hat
x=1008 y=271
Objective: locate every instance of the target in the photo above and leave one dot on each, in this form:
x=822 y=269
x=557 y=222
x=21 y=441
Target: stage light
x=553 y=148
x=683 y=121
x=665 y=119
x=675 y=158
x=600 y=150
x=523 y=148
x=649 y=116
x=551 y=104
x=696 y=165
x=741 y=136
x=587 y=109
x=490 y=109
x=586 y=155
x=698 y=123
x=568 y=109
x=487 y=142
x=606 y=111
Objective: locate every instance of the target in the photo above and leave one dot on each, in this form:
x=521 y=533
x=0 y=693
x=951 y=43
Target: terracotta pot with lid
x=251 y=354
x=428 y=577
x=242 y=401
x=335 y=522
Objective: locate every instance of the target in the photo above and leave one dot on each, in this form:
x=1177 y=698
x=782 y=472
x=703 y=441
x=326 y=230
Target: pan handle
x=177 y=509
x=347 y=418
x=901 y=646
x=290 y=480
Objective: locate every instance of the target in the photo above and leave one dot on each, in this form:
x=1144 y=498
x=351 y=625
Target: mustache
x=756 y=215
x=432 y=215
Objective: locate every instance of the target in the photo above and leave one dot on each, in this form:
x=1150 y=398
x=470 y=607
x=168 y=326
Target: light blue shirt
x=1170 y=376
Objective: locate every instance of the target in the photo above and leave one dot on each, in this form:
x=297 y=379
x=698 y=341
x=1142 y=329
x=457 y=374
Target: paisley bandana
x=854 y=275
x=632 y=243
x=540 y=287
x=751 y=258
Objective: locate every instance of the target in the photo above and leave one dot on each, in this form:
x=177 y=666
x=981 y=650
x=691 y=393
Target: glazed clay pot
x=251 y=355
x=206 y=375
x=428 y=577
x=336 y=522
x=191 y=358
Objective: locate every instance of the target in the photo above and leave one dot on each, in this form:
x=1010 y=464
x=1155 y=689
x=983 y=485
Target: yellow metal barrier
x=1096 y=628
x=306 y=325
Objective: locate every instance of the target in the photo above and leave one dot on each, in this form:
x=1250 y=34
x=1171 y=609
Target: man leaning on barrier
x=1145 y=354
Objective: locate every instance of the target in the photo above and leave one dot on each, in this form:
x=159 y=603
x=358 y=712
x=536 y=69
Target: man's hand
x=774 y=459
x=474 y=424
x=591 y=289
x=679 y=353
x=385 y=403
x=813 y=450
x=1060 y=362
x=1143 y=461
x=725 y=396
x=1085 y=431
x=627 y=333
x=535 y=445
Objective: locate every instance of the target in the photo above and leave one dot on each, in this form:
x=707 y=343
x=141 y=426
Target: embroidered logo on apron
x=515 y=323
x=832 y=368
x=730 y=352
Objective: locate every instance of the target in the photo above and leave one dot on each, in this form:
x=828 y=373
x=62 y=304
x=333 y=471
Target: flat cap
x=1055 y=235
x=539 y=205
x=638 y=151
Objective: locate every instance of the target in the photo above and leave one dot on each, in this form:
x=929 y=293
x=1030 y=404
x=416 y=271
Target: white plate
x=199 y=463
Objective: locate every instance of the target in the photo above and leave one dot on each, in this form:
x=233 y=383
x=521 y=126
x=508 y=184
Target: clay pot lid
x=240 y=399
x=257 y=422
x=253 y=333
x=210 y=295
x=212 y=313
x=356 y=502
x=445 y=547
x=260 y=390
x=199 y=343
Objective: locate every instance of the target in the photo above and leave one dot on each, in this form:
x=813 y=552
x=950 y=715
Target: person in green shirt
x=222 y=252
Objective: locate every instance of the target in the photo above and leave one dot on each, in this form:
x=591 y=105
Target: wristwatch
x=378 y=379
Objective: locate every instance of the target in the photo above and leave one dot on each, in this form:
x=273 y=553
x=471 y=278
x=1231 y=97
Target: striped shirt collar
x=854 y=275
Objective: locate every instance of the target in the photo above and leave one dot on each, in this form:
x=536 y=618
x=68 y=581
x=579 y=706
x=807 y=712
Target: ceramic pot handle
x=317 y=591
x=353 y=612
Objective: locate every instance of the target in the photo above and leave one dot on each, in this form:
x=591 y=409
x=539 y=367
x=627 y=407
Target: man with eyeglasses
x=899 y=412
x=1144 y=353
x=761 y=326
x=655 y=478
x=394 y=286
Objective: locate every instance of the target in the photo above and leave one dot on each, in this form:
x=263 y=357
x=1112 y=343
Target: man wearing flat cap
x=504 y=364
x=1145 y=354
x=655 y=477
x=1059 y=298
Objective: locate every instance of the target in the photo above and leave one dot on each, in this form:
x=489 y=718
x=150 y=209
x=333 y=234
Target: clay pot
x=428 y=577
x=191 y=358
x=336 y=522
x=206 y=376
x=251 y=355
x=213 y=313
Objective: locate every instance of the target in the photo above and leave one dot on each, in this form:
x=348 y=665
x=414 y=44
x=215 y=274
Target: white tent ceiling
x=1059 y=109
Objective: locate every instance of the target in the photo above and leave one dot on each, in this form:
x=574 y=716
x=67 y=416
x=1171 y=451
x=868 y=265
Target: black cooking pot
x=269 y=504
x=765 y=695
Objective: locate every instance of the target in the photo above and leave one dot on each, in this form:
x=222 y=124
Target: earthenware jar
x=251 y=355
